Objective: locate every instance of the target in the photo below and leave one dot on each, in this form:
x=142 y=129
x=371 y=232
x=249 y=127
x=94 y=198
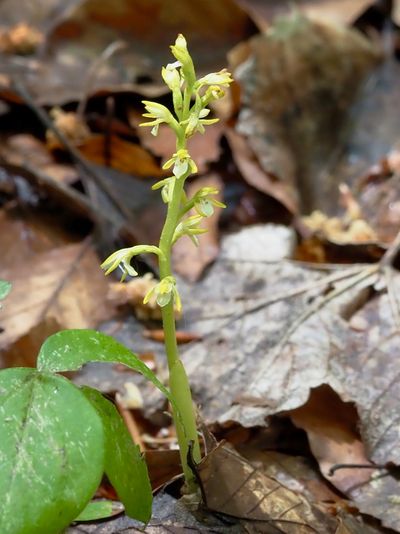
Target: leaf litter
x=274 y=343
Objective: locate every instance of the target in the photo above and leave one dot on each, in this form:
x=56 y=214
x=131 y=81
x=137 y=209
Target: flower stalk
x=190 y=98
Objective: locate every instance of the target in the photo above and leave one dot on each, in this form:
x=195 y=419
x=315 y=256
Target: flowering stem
x=185 y=422
x=187 y=120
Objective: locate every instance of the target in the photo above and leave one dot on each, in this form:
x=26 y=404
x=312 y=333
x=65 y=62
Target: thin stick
x=131 y=424
x=83 y=164
x=336 y=467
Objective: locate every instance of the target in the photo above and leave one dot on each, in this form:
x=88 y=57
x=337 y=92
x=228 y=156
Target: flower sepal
x=189 y=227
x=181 y=163
x=122 y=258
x=164 y=292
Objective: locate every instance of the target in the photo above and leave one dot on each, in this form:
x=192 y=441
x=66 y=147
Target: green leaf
x=123 y=462
x=69 y=350
x=5 y=288
x=51 y=451
x=96 y=510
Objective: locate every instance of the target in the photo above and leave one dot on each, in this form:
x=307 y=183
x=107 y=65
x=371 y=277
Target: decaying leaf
x=78 y=32
x=331 y=427
x=294 y=472
x=338 y=230
x=70 y=124
x=122 y=155
x=21 y=39
x=255 y=176
x=296 y=330
x=380 y=196
x=25 y=150
x=298 y=85
x=61 y=288
x=233 y=486
x=338 y=11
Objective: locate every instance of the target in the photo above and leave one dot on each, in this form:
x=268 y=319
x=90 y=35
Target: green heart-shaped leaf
x=51 y=451
x=123 y=462
x=69 y=350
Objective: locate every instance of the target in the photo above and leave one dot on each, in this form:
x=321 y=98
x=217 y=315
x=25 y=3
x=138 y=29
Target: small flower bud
x=181 y=53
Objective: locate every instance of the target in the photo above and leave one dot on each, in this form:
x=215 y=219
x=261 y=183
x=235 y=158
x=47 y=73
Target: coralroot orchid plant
x=58 y=439
x=191 y=98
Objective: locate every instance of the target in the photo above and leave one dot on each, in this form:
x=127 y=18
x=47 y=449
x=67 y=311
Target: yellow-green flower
x=167 y=186
x=222 y=78
x=182 y=163
x=214 y=92
x=204 y=204
x=164 y=291
x=171 y=76
x=122 y=258
x=160 y=114
x=189 y=227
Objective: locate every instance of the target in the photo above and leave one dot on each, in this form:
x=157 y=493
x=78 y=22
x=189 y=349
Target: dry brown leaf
x=339 y=11
x=294 y=472
x=233 y=486
x=70 y=124
x=124 y=156
x=163 y=466
x=380 y=196
x=331 y=427
x=340 y=230
x=78 y=32
x=56 y=289
x=255 y=176
x=296 y=102
x=188 y=260
x=20 y=39
x=23 y=235
x=25 y=150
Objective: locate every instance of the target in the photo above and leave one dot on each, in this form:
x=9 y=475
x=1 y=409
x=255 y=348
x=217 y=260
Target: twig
x=334 y=277
x=131 y=424
x=393 y=300
x=79 y=202
x=107 y=53
x=336 y=467
x=391 y=252
x=83 y=164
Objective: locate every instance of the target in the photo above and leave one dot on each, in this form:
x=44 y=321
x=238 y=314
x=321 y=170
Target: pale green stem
x=185 y=420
